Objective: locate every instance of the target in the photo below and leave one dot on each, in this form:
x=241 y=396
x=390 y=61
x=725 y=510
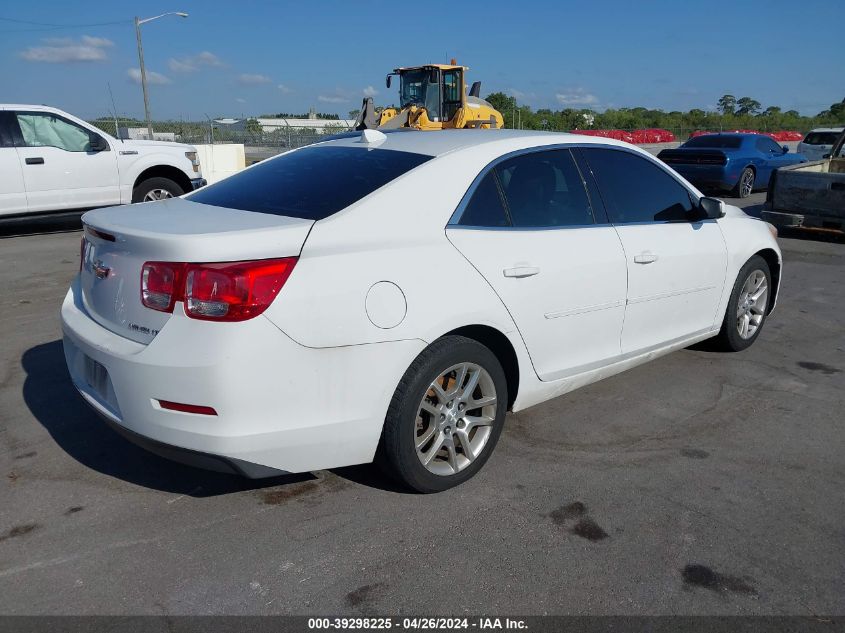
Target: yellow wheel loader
x=431 y=97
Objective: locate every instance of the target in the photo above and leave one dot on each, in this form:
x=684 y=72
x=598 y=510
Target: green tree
x=747 y=105
x=771 y=111
x=727 y=104
x=252 y=126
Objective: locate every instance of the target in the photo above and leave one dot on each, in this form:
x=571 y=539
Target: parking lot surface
x=701 y=483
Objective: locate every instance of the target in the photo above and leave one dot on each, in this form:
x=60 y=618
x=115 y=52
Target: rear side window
x=485 y=208
x=544 y=189
x=534 y=190
x=311 y=183
x=6 y=139
x=635 y=189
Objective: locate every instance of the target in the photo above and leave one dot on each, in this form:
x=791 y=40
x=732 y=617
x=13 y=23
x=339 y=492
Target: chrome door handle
x=645 y=258
x=521 y=271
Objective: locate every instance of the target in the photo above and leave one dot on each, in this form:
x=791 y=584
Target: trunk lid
x=120 y=239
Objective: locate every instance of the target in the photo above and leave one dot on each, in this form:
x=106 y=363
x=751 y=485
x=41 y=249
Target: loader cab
x=437 y=88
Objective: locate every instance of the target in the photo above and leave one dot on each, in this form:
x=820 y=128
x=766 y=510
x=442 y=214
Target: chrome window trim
x=454 y=220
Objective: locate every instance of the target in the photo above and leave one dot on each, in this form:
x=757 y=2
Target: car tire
x=744 y=309
x=424 y=424
x=157 y=188
x=745 y=185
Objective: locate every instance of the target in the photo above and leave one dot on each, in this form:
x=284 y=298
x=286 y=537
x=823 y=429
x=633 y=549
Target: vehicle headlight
x=192 y=156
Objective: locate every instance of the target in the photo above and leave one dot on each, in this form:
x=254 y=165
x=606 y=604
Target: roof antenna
x=114 y=112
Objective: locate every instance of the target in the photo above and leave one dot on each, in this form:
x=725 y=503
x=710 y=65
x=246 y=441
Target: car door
x=528 y=226
x=773 y=157
x=12 y=192
x=60 y=170
x=676 y=265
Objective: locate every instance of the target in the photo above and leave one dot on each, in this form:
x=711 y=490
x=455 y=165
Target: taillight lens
x=161 y=285
x=230 y=291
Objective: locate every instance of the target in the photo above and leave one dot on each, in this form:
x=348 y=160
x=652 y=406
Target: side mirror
x=98 y=143
x=711 y=208
x=387 y=81
x=785 y=149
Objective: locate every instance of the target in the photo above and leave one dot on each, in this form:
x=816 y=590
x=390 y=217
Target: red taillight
x=187 y=408
x=161 y=285
x=230 y=291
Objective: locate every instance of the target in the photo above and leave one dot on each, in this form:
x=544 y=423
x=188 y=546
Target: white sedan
x=389 y=297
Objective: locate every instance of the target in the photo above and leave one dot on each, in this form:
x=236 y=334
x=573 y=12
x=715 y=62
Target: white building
x=294 y=125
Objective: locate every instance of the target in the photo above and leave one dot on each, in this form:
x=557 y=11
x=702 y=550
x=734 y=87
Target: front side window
x=311 y=183
x=768 y=146
x=43 y=129
x=635 y=189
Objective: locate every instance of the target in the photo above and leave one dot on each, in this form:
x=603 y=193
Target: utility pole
x=138 y=23
x=143 y=77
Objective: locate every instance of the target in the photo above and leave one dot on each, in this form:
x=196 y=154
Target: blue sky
x=246 y=58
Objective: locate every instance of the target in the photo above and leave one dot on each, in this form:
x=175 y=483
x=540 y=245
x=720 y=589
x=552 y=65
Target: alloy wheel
x=747 y=184
x=157 y=194
x=454 y=420
x=751 y=307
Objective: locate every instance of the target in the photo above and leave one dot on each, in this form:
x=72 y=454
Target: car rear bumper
x=279 y=406
x=709 y=176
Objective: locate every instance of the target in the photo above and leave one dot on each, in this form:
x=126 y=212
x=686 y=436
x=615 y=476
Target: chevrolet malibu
x=389 y=297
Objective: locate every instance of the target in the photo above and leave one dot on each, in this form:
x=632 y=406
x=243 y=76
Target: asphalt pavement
x=701 y=483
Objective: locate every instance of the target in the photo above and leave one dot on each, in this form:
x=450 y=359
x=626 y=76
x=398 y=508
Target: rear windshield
x=821 y=138
x=715 y=140
x=311 y=183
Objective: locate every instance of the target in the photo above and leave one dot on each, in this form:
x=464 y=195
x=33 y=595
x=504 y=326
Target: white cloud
x=65 y=49
x=153 y=78
x=576 y=97
x=193 y=63
x=285 y=89
x=522 y=96
x=332 y=99
x=369 y=91
x=248 y=79
x=239 y=100
x=98 y=42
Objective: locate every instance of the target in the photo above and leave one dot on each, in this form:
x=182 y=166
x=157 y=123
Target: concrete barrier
x=219 y=161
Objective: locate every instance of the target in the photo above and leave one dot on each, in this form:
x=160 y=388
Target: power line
x=49 y=26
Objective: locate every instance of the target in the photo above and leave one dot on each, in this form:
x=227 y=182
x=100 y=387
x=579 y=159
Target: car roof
x=25 y=106
x=437 y=143
x=827 y=129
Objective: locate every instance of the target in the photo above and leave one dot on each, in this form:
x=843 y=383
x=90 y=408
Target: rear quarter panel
x=396 y=235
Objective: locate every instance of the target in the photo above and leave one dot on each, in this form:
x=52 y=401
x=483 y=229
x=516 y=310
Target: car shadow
x=51 y=397
x=41 y=224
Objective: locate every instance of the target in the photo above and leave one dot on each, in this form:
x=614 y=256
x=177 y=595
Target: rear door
x=528 y=226
x=59 y=169
x=676 y=267
x=12 y=192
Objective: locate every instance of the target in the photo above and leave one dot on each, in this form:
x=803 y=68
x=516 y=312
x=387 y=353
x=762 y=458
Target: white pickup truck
x=52 y=161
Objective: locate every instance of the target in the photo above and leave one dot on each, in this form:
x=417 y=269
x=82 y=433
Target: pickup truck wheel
x=445 y=417
x=747 y=307
x=156 y=188
x=745 y=185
